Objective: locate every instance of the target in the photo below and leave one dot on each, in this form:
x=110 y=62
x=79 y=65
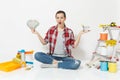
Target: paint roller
x=19 y=61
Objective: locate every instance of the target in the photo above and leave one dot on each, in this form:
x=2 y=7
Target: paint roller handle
x=19 y=61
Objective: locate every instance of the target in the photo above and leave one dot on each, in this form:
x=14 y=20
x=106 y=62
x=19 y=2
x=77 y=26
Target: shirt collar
x=65 y=28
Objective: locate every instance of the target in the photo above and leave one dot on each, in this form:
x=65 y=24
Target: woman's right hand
x=39 y=36
x=33 y=31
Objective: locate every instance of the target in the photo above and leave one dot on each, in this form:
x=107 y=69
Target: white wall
x=15 y=35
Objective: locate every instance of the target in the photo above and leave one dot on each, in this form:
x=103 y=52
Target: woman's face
x=60 y=18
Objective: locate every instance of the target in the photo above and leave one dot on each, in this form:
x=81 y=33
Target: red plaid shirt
x=51 y=37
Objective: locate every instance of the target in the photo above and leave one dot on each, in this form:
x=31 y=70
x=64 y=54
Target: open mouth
x=59 y=22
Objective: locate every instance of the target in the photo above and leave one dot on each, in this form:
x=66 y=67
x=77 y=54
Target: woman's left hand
x=83 y=32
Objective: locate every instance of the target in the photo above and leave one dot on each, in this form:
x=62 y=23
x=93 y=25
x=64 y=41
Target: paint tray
x=9 y=66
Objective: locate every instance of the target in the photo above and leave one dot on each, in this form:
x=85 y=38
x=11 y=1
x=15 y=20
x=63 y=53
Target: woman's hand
x=79 y=36
x=39 y=36
x=33 y=31
x=83 y=32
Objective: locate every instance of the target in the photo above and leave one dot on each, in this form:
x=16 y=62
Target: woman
x=60 y=39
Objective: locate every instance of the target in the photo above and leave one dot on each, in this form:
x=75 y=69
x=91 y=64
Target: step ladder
x=97 y=56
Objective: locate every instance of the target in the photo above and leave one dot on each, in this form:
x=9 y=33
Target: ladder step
x=103 y=56
x=118 y=51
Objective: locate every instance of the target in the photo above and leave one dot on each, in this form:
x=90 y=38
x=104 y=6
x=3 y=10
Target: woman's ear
x=65 y=19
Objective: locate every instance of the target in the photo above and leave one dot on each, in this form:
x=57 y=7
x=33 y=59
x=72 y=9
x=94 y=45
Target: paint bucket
x=112 y=67
x=22 y=52
x=103 y=36
x=104 y=65
x=29 y=58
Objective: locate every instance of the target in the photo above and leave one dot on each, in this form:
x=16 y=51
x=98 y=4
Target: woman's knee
x=76 y=64
x=38 y=55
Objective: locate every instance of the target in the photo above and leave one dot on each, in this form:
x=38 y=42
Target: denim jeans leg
x=69 y=63
x=44 y=58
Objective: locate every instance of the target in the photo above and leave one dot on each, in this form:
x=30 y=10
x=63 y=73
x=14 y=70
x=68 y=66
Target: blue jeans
x=65 y=62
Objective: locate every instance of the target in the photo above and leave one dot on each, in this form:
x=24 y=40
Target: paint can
x=112 y=66
x=22 y=54
x=29 y=58
x=104 y=65
x=103 y=36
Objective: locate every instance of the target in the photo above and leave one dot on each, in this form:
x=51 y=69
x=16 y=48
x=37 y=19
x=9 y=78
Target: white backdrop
x=15 y=35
